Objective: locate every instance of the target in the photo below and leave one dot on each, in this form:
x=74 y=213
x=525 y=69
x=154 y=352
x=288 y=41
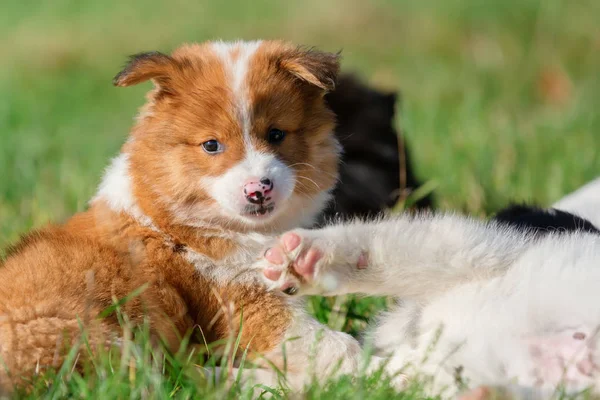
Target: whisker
x=314 y=168
x=310 y=180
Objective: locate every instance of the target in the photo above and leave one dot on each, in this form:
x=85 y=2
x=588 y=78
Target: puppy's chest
x=231 y=266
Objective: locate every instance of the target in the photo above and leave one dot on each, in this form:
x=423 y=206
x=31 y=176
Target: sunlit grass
x=500 y=103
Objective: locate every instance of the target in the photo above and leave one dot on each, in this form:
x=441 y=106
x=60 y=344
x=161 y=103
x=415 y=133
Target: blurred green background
x=500 y=98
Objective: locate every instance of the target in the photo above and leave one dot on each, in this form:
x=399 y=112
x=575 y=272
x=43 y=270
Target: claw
x=292 y=290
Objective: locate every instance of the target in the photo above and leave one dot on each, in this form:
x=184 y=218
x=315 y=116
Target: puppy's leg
x=304 y=352
x=311 y=352
x=405 y=257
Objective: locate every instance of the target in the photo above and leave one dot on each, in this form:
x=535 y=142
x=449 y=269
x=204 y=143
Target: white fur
x=233 y=268
x=227 y=189
x=315 y=352
x=115 y=189
x=312 y=352
x=236 y=70
x=504 y=304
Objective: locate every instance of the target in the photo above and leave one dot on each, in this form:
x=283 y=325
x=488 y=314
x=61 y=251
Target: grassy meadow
x=500 y=102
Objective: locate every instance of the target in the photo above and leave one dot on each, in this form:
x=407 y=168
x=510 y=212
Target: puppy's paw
x=293 y=262
x=307 y=262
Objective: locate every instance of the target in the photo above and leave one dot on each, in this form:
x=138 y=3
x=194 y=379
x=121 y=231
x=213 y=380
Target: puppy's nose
x=257 y=191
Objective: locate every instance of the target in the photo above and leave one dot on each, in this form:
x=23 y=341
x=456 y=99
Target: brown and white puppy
x=234 y=146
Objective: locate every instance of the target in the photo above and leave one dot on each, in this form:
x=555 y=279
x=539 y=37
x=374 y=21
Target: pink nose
x=257 y=191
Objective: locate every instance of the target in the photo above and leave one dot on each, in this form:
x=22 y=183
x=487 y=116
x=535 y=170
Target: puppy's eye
x=275 y=135
x=212 y=147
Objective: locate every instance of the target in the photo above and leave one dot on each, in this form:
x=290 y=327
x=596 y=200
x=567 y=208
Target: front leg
x=405 y=257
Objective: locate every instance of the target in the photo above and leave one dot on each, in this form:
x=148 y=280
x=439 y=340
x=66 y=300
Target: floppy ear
x=315 y=67
x=144 y=66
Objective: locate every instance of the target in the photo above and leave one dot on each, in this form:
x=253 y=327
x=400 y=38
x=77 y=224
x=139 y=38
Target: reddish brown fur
x=72 y=272
x=297 y=108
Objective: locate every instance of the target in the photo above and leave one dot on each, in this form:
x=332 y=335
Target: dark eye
x=212 y=146
x=275 y=136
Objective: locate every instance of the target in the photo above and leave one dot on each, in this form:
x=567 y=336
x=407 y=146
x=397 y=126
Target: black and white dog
x=513 y=302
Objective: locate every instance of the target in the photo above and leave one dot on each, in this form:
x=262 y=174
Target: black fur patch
x=540 y=220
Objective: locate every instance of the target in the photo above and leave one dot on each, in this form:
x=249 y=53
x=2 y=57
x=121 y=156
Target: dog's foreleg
x=410 y=257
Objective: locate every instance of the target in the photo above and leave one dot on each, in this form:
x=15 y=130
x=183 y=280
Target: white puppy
x=482 y=303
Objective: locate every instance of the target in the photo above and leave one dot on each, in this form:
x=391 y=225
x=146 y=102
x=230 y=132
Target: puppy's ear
x=144 y=66
x=315 y=67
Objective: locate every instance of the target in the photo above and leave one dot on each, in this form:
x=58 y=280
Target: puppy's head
x=234 y=134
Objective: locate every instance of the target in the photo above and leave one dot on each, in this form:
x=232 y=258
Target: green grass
x=471 y=73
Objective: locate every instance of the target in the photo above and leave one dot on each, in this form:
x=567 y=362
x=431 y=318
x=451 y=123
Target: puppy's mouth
x=259 y=210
